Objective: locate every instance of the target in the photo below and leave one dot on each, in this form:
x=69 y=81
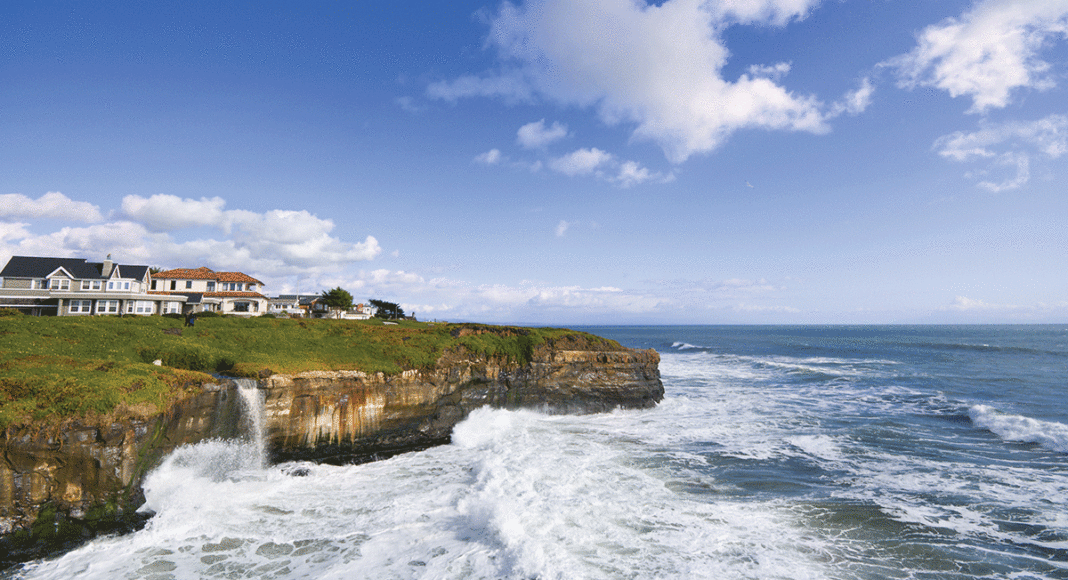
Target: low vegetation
x=57 y=368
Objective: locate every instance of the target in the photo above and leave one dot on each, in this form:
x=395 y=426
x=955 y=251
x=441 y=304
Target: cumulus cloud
x=604 y=165
x=774 y=72
x=52 y=205
x=1009 y=145
x=166 y=230
x=581 y=161
x=536 y=135
x=491 y=157
x=657 y=67
x=855 y=102
x=987 y=53
x=163 y=213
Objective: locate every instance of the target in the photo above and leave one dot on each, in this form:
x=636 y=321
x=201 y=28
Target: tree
x=388 y=310
x=338 y=300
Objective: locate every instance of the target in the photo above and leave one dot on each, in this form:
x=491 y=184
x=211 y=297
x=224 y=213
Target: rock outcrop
x=92 y=473
x=346 y=416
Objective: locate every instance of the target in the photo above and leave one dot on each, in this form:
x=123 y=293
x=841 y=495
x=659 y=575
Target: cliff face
x=93 y=472
x=352 y=415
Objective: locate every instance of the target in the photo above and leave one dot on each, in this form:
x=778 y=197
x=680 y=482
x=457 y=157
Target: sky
x=557 y=162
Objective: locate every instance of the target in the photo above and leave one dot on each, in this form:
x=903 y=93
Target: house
x=291 y=304
x=319 y=309
x=359 y=312
x=75 y=287
x=206 y=290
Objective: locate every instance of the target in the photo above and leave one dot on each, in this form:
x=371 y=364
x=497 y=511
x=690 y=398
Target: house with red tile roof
x=207 y=290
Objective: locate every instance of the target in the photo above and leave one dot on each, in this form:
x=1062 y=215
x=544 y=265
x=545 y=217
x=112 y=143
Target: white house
x=206 y=290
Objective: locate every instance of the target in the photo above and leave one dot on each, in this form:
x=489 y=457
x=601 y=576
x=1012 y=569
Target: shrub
x=10 y=312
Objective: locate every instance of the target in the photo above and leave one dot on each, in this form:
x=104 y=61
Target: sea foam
x=1050 y=435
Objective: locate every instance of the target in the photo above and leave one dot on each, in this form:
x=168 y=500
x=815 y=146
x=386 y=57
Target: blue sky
x=557 y=161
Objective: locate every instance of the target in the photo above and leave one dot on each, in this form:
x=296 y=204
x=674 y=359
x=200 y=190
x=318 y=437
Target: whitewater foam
x=1048 y=434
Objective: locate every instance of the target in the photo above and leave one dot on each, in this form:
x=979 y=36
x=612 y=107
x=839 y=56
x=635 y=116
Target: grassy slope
x=52 y=369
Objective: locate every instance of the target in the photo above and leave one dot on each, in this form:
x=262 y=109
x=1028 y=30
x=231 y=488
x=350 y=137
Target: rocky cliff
x=66 y=482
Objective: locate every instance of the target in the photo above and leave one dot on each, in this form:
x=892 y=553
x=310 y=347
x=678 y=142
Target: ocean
x=800 y=452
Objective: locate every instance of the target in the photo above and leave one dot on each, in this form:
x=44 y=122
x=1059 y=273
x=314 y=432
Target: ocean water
x=809 y=452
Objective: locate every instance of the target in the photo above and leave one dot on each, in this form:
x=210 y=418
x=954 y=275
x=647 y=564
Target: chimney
x=106 y=270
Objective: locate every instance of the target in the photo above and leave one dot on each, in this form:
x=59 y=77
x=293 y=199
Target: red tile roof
x=203 y=273
x=234 y=295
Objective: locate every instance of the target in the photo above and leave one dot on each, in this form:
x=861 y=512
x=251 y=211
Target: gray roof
x=79 y=268
x=192 y=297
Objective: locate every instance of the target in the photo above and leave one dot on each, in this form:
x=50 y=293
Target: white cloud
x=536 y=135
x=855 y=102
x=656 y=67
x=632 y=173
x=561 y=228
x=581 y=161
x=52 y=205
x=273 y=243
x=534 y=301
x=1007 y=145
x=409 y=104
x=987 y=53
x=963 y=303
x=164 y=213
x=13 y=231
x=491 y=157
x=774 y=72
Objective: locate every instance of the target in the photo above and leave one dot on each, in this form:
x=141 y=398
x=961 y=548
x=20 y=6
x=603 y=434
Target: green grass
x=55 y=368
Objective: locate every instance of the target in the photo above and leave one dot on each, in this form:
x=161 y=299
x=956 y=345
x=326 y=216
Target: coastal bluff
x=58 y=479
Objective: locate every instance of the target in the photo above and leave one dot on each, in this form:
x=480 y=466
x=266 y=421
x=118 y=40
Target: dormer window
x=60 y=284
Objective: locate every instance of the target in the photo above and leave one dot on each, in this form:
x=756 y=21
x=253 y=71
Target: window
x=129 y=306
x=188 y=284
x=174 y=284
x=96 y=284
x=153 y=284
x=211 y=286
x=111 y=285
x=127 y=286
x=241 y=306
x=107 y=306
x=142 y=307
x=79 y=306
x=85 y=284
x=60 y=284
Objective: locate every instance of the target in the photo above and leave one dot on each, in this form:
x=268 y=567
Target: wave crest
x=1048 y=434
